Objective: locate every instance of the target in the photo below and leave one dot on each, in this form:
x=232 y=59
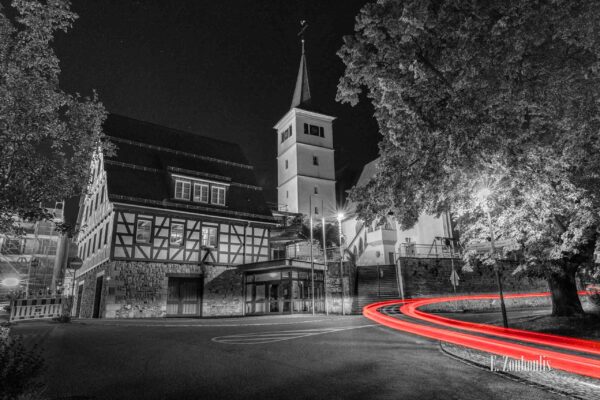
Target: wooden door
x=184 y=297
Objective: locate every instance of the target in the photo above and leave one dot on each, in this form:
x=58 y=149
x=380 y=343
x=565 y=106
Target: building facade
x=305 y=155
x=36 y=258
x=164 y=224
x=384 y=241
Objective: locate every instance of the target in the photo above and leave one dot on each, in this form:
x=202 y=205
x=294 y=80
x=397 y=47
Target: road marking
x=158 y=324
x=278 y=336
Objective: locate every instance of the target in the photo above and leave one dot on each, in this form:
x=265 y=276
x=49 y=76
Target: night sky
x=224 y=69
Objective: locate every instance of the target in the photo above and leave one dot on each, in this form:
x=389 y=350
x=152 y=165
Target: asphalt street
x=296 y=357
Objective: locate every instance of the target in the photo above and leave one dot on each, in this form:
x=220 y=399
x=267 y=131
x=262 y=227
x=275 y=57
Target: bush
x=19 y=370
x=63 y=319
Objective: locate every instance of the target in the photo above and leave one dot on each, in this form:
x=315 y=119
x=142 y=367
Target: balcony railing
x=301 y=251
x=428 y=251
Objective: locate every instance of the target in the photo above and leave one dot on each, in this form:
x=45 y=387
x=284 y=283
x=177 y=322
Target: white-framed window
x=200 y=192
x=286 y=134
x=182 y=190
x=209 y=236
x=218 y=195
x=314 y=130
x=176 y=234
x=143 y=233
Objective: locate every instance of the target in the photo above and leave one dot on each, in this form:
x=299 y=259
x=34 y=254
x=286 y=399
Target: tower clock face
x=314 y=130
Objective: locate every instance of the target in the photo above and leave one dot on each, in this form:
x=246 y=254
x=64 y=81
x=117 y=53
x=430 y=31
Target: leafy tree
x=331 y=232
x=503 y=95
x=47 y=137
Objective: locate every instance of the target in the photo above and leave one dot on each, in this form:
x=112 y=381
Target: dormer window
x=182 y=190
x=201 y=192
x=218 y=195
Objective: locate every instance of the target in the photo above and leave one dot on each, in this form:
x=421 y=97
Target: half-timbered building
x=164 y=224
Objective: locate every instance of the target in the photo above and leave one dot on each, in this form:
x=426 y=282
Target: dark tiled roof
x=146 y=155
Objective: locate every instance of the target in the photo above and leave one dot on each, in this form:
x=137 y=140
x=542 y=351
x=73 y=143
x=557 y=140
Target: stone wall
x=334 y=288
x=89 y=291
x=138 y=289
x=223 y=292
x=428 y=277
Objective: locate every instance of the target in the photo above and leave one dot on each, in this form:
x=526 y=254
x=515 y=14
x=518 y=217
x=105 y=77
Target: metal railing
x=428 y=251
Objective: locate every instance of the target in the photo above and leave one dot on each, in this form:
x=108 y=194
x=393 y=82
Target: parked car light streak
x=566 y=362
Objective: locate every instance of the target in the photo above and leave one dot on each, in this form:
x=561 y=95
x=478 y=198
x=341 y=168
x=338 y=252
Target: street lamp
x=312 y=260
x=10 y=282
x=483 y=195
x=340 y=217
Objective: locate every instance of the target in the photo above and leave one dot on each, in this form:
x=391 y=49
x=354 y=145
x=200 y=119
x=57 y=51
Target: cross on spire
x=303 y=26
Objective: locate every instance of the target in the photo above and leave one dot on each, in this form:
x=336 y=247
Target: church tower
x=305 y=155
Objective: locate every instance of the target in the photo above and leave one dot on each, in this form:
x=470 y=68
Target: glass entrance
x=284 y=291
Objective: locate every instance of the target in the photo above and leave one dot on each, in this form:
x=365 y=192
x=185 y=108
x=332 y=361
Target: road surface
x=295 y=357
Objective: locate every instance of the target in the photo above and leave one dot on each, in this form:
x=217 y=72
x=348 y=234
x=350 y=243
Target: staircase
x=375 y=283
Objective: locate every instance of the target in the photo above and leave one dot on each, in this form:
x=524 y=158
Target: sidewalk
x=574 y=386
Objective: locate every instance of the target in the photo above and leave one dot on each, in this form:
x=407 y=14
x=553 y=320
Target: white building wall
x=288 y=195
x=425 y=230
x=378 y=244
x=325 y=167
x=297 y=182
x=324 y=200
x=291 y=157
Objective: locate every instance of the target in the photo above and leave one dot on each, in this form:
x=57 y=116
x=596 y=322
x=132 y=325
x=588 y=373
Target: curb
x=557 y=382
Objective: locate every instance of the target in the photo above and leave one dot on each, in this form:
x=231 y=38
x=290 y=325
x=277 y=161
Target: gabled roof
x=147 y=155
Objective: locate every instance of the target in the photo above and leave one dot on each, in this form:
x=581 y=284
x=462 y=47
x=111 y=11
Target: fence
x=434 y=250
x=38 y=308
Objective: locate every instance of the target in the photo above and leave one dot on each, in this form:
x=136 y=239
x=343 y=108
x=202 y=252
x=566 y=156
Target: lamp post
x=312 y=261
x=74 y=264
x=340 y=217
x=484 y=195
x=324 y=261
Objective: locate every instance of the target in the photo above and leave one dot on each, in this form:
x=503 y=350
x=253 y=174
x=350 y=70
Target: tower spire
x=302 y=89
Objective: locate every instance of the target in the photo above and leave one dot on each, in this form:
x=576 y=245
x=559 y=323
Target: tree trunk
x=563 y=289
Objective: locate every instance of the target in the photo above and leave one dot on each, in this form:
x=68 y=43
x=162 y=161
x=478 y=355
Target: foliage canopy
x=476 y=94
x=47 y=137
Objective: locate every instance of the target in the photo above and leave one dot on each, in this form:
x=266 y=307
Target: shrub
x=19 y=370
x=63 y=319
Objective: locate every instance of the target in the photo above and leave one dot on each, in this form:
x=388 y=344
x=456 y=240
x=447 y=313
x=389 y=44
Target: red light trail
x=567 y=362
